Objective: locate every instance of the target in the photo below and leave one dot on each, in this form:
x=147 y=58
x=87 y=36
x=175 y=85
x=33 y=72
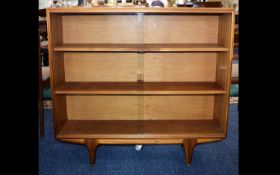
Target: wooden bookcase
x=140 y=75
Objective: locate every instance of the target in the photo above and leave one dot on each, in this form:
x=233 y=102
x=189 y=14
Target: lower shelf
x=140 y=129
x=99 y=88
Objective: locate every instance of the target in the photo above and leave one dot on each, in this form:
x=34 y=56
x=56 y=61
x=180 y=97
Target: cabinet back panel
x=178 y=107
x=140 y=107
x=102 y=29
x=180 y=67
x=139 y=29
x=102 y=107
x=181 y=29
x=100 y=67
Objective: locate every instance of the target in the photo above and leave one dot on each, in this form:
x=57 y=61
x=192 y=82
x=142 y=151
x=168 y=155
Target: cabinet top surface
x=138 y=10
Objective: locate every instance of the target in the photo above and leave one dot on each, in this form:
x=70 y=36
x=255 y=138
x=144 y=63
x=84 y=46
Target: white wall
x=44 y=4
x=227 y=3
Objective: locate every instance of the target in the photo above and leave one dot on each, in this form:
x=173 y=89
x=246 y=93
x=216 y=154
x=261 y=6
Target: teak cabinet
x=140 y=75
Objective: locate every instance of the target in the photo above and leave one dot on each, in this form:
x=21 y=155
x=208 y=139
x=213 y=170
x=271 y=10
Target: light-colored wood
x=224 y=66
x=155 y=47
x=102 y=29
x=141 y=141
x=56 y=59
x=82 y=129
x=226 y=27
x=100 y=67
x=140 y=75
x=127 y=107
x=57 y=66
x=149 y=129
x=55 y=33
x=180 y=129
x=125 y=10
x=54 y=26
x=180 y=29
x=207 y=140
x=222 y=69
x=146 y=88
x=80 y=29
x=102 y=107
x=57 y=79
x=178 y=107
x=183 y=67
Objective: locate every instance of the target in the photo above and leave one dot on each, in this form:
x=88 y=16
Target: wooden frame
x=140 y=75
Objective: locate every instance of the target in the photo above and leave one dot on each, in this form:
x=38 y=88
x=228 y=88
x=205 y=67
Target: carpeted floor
x=221 y=158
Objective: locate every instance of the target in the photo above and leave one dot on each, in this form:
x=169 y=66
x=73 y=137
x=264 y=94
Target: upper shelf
x=141 y=10
x=141 y=47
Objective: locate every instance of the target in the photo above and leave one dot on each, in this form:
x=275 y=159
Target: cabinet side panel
x=180 y=29
x=180 y=67
x=58 y=101
x=224 y=64
x=55 y=33
x=225 y=36
x=56 y=60
x=101 y=29
x=178 y=107
x=59 y=111
x=56 y=63
x=102 y=107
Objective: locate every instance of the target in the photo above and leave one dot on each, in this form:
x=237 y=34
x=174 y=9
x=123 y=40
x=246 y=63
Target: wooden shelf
x=120 y=10
x=138 y=89
x=140 y=47
x=140 y=129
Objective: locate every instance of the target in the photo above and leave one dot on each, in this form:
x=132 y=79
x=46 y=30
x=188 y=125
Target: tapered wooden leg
x=91 y=145
x=189 y=145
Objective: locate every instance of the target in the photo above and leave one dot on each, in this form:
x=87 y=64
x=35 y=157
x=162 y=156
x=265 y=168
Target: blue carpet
x=220 y=158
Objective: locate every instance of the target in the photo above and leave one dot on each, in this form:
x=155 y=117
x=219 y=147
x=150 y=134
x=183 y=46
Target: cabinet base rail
x=188 y=144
